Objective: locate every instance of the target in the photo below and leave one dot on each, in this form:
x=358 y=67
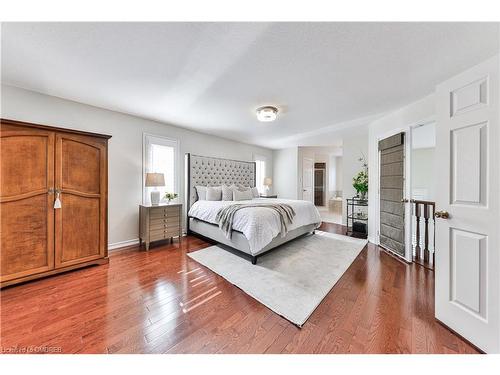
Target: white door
x=467 y=242
x=308 y=179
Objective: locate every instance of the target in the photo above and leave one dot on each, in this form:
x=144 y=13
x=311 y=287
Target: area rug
x=291 y=280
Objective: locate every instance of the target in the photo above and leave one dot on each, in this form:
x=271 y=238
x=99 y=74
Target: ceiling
x=211 y=77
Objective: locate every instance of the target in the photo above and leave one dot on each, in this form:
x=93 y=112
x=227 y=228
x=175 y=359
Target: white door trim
x=312 y=178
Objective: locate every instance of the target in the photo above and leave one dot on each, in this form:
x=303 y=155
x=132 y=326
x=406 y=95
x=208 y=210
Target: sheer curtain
x=160 y=156
x=260 y=172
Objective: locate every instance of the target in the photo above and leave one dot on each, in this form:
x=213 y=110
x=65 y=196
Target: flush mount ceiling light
x=267 y=113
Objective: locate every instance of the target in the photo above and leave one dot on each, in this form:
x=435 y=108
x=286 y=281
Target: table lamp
x=155 y=180
x=268 y=181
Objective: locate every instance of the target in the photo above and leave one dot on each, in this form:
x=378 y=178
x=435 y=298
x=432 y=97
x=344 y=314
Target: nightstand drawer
x=164 y=211
x=163 y=234
x=172 y=232
x=161 y=221
x=159 y=227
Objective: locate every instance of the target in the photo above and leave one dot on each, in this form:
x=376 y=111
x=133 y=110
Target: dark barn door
x=392 y=236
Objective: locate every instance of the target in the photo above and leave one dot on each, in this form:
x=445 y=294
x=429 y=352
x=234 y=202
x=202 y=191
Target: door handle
x=442 y=214
x=57 y=201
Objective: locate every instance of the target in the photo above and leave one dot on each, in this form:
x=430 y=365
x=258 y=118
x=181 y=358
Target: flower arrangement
x=170 y=196
x=360 y=180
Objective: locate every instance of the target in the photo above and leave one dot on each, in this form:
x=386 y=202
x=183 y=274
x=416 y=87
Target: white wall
x=125 y=148
x=354 y=147
x=400 y=120
x=340 y=174
x=335 y=183
x=285 y=169
x=423 y=174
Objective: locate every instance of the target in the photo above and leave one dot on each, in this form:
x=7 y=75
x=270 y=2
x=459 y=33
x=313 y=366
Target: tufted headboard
x=208 y=171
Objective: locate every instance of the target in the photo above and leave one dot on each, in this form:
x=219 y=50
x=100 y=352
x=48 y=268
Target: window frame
x=147 y=139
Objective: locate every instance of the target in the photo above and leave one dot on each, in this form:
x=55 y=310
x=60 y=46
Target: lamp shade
x=155 y=179
x=268 y=181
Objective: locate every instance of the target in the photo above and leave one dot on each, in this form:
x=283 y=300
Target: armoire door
x=27 y=214
x=81 y=184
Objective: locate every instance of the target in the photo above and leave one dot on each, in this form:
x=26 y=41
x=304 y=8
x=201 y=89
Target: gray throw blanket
x=225 y=215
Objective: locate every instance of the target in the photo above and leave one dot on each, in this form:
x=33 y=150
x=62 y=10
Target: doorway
x=321 y=180
x=422 y=195
x=307 y=179
x=319 y=184
x=407 y=193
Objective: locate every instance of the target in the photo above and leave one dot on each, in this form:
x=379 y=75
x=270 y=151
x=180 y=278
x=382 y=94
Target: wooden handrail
x=423 y=202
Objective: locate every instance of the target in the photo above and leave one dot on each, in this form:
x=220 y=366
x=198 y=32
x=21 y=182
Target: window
x=260 y=173
x=160 y=155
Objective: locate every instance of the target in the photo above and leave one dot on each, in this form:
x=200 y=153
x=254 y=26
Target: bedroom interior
x=250 y=188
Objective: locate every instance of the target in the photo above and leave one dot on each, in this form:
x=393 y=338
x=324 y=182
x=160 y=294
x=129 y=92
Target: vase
x=362 y=195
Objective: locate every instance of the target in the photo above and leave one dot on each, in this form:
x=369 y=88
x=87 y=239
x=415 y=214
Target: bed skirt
x=238 y=240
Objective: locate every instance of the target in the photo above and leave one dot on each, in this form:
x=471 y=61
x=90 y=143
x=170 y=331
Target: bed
x=255 y=230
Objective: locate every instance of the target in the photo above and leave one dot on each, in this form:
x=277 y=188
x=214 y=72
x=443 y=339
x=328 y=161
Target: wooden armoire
x=38 y=165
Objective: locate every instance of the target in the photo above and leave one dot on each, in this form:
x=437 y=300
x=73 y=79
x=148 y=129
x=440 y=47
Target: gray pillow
x=202 y=193
x=255 y=192
x=227 y=192
x=214 y=193
x=242 y=195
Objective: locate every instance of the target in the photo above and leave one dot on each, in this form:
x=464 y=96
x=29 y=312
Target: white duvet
x=259 y=224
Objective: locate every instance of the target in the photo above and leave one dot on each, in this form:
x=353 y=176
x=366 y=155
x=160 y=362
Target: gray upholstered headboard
x=208 y=171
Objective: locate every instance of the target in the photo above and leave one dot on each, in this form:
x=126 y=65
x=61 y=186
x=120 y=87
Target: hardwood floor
x=161 y=301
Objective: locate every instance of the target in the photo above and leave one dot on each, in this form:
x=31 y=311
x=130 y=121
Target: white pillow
x=242 y=195
x=202 y=193
x=214 y=193
x=255 y=192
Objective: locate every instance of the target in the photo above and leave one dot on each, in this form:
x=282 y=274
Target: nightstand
x=159 y=222
x=268 y=196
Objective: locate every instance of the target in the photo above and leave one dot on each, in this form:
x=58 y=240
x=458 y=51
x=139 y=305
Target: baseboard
x=117 y=245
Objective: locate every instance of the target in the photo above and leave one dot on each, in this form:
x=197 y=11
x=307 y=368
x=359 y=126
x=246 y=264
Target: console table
x=357 y=217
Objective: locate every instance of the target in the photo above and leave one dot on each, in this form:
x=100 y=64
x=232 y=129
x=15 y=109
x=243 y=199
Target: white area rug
x=291 y=280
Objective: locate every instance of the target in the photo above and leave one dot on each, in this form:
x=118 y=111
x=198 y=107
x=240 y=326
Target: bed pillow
x=227 y=192
x=214 y=193
x=242 y=195
x=202 y=193
x=255 y=192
